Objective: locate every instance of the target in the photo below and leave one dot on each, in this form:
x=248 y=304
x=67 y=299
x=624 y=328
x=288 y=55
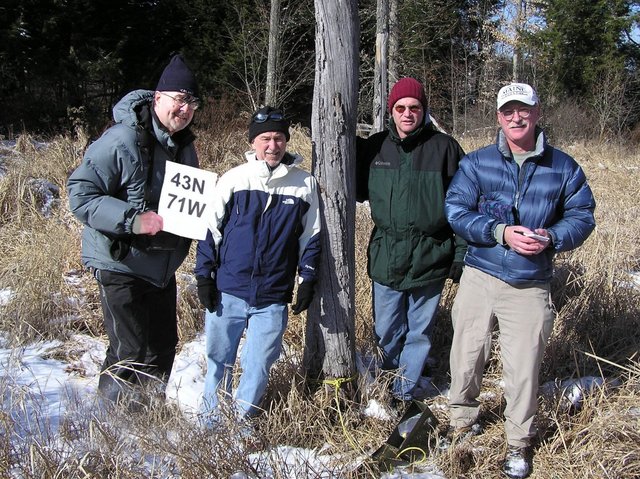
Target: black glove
x=305 y=296
x=455 y=271
x=207 y=292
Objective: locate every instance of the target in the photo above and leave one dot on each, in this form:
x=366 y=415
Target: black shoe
x=517 y=463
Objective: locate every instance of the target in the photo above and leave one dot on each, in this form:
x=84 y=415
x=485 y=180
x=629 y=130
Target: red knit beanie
x=407 y=87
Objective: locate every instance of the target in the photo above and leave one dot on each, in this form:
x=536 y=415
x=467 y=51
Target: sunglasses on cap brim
x=262 y=117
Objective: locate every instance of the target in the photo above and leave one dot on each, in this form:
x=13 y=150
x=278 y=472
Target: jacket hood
x=130 y=112
x=125 y=111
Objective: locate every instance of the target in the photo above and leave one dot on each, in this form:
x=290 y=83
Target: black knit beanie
x=268 y=119
x=178 y=77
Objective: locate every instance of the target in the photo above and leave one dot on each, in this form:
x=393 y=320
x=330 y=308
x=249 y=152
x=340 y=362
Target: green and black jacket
x=405 y=182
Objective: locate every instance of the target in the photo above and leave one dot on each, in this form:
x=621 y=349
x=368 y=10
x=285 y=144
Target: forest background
x=64 y=63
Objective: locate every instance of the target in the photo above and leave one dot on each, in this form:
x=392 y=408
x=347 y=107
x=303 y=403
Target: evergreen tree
x=582 y=40
x=75 y=58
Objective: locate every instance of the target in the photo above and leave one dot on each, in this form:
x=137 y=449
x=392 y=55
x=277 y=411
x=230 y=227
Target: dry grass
x=597 y=441
x=39 y=247
x=597 y=333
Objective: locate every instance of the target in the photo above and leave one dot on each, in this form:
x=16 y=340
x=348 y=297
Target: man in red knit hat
x=404 y=173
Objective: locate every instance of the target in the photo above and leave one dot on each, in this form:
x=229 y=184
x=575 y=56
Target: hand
x=455 y=271
x=208 y=292
x=305 y=296
x=515 y=237
x=147 y=223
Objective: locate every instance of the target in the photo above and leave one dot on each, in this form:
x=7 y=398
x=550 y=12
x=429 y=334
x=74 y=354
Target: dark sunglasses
x=413 y=109
x=262 y=117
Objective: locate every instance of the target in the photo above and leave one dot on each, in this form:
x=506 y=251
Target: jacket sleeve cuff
x=498 y=232
x=307 y=275
x=132 y=222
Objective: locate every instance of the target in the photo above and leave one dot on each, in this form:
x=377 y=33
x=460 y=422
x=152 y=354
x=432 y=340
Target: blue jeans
x=403 y=324
x=263 y=343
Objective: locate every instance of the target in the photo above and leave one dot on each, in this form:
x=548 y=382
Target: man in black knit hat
x=264 y=229
x=115 y=194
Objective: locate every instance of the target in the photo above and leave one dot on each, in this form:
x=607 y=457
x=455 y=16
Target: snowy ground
x=32 y=376
x=34 y=383
x=42 y=386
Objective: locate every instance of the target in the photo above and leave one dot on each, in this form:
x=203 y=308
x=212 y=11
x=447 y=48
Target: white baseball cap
x=517 y=92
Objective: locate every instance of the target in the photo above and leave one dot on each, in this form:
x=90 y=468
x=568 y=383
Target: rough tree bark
x=271 y=94
x=380 y=81
x=394 y=43
x=330 y=336
x=515 y=75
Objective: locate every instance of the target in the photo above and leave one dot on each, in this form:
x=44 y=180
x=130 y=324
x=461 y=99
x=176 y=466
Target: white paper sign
x=185 y=200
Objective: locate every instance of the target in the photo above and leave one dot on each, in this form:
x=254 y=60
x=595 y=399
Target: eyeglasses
x=415 y=109
x=191 y=101
x=262 y=117
x=522 y=113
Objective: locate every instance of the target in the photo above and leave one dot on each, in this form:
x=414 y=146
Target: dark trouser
x=140 y=321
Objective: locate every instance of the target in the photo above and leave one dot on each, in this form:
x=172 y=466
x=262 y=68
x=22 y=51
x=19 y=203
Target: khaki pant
x=525 y=320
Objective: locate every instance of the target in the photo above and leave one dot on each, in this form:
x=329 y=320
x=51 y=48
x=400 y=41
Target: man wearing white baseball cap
x=517 y=202
x=520 y=92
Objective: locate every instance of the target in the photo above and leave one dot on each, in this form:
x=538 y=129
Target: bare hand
x=147 y=223
x=515 y=237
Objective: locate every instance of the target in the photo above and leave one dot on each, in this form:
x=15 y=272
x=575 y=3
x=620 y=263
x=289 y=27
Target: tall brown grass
x=597 y=332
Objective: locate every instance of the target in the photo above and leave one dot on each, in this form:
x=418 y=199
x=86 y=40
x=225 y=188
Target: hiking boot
x=458 y=435
x=517 y=463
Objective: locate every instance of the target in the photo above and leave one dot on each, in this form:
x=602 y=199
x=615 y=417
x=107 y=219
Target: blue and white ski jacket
x=265 y=226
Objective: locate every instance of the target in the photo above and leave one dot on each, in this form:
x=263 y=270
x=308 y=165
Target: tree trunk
x=271 y=93
x=394 y=44
x=380 y=81
x=330 y=335
x=516 y=41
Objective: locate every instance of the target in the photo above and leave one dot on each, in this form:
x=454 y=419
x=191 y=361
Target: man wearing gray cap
x=264 y=229
x=115 y=194
x=517 y=202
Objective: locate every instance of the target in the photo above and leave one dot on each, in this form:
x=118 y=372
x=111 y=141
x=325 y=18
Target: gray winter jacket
x=115 y=182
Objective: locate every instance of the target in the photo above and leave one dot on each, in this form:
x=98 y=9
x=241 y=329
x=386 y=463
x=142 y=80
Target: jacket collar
x=413 y=139
x=179 y=139
x=288 y=161
x=541 y=143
